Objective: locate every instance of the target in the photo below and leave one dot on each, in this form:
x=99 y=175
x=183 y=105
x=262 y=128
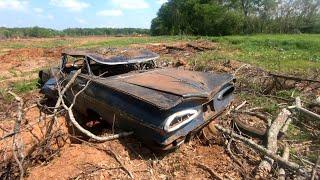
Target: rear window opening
x=103 y=70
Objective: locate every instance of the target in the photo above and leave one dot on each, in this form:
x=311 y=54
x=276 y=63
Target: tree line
x=225 y=17
x=46 y=32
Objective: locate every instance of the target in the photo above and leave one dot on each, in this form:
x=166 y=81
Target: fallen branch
x=285 y=155
x=314 y=171
x=240 y=106
x=265 y=166
x=59 y=101
x=251 y=143
x=293 y=78
x=285 y=127
x=243 y=170
x=15 y=145
x=71 y=115
x=91 y=135
x=213 y=174
x=299 y=107
x=238 y=69
x=304 y=160
x=120 y=162
x=110 y=152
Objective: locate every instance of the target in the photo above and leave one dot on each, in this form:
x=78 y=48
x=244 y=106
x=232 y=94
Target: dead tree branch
x=238 y=69
x=213 y=174
x=58 y=103
x=314 y=171
x=71 y=115
x=110 y=152
x=243 y=170
x=285 y=155
x=265 y=166
x=293 y=78
x=251 y=143
x=285 y=127
x=299 y=107
x=240 y=106
x=16 y=146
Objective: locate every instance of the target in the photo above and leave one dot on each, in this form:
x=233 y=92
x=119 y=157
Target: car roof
x=114 y=56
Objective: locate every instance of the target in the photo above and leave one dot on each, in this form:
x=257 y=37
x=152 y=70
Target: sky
x=61 y=14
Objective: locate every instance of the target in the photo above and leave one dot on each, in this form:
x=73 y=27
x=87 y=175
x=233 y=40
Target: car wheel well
x=92 y=114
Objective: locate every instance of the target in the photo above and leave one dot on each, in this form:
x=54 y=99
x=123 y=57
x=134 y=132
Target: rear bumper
x=175 y=139
x=185 y=134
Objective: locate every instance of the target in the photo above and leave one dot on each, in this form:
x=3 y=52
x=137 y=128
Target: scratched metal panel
x=181 y=82
x=157 y=98
x=113 y=56
x=165 y=88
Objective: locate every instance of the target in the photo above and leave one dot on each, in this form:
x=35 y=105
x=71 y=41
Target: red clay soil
x=78 y=160
x=83 y=161
x=27 y=59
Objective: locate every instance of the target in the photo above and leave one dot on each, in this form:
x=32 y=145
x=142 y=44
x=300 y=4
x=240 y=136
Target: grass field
x=282 y=53
x=294 y=54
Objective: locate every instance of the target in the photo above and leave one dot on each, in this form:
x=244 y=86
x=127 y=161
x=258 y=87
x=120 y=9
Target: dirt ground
x=79 y=160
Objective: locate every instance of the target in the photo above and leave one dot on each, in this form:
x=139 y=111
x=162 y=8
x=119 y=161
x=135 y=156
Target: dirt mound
x=83 y=161
x=28 y=53
x=182 y=47
x=19 y=62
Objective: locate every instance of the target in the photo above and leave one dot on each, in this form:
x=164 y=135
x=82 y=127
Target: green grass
x=34 y=43
x=270 y=105
x=278 y=53
x=25 y=86
x=5 y=95
x=126 y=41
x=282 y=53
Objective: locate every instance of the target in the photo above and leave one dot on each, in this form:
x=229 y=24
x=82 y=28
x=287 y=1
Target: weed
x=25 y=86
x=5 y=95
x=14 y=72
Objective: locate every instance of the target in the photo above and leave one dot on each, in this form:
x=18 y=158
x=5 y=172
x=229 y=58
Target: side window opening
x=73 y=63
x=104 y=70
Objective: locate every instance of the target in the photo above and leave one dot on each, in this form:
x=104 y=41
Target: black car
x=162 y=106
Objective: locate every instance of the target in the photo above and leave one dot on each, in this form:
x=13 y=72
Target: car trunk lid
x=181 y=82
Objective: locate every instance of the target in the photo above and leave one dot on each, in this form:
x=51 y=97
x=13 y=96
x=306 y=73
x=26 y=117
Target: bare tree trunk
x=16 y=144
x=265 y=166
x=279 y=159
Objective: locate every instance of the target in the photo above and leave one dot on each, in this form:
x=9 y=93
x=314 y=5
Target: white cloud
x=81 y=21
x=111 y=12
x=73 y=5
x=38 y=10
x=51 y=17
x=131 y=4
x=161 y=1
x=13 y=5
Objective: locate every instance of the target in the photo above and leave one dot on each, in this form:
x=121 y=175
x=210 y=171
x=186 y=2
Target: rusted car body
x=162 y=106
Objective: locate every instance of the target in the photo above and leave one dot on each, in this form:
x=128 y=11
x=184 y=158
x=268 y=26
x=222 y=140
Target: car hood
x=166 y=88
x=181 y=82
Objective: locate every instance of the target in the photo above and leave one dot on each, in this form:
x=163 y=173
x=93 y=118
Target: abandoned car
x=164 y=107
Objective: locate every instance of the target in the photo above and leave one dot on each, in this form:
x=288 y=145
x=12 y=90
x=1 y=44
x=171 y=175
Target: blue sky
x=61 y=14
